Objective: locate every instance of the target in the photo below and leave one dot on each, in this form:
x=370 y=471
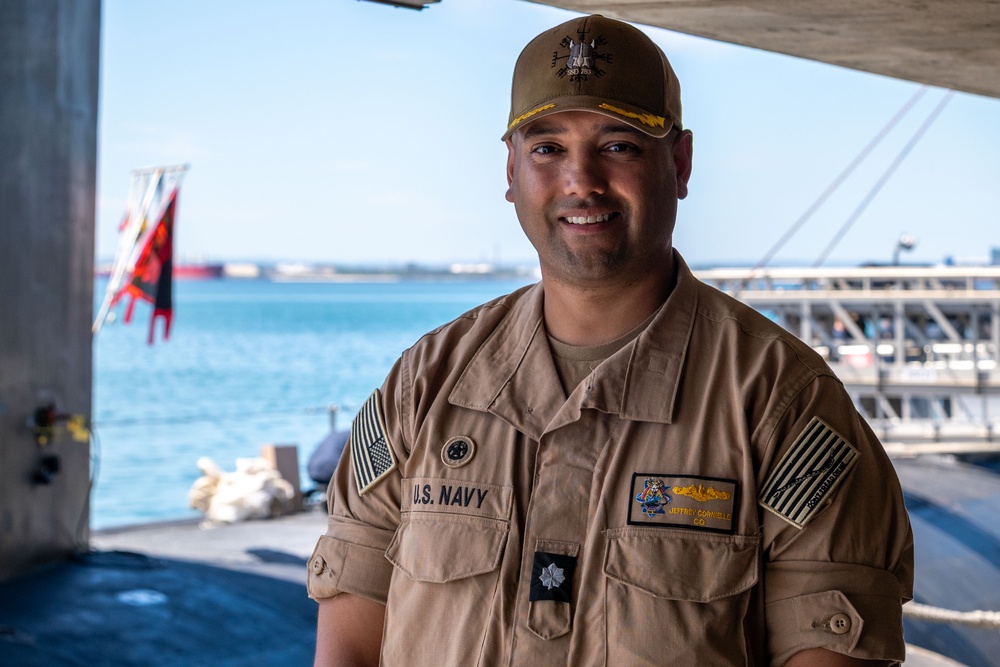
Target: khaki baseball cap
x=597 y=64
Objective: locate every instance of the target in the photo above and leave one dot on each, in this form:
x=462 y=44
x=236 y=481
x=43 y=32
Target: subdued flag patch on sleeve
x=812 y=468
x=371 y=454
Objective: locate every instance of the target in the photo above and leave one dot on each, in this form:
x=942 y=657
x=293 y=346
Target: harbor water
x=248 y=363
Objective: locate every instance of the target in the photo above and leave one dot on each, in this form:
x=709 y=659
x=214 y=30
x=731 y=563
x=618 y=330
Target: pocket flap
x=445 y=547
x=682 y=565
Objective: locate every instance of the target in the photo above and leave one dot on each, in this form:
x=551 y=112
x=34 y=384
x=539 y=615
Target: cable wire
x=975 y=619
x=209 y=417
x=837 y=182
x=886 y=175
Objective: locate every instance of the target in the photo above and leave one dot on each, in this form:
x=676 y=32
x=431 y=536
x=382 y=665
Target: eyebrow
x=620 y=128
x=541 y=128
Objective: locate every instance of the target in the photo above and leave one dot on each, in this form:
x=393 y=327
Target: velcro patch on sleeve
x=371 y=454
x=814 y=465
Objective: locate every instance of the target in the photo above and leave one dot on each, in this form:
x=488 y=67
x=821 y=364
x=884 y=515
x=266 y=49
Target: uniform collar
x=512 y=375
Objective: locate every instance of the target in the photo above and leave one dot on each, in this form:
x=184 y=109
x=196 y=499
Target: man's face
x=596 y=197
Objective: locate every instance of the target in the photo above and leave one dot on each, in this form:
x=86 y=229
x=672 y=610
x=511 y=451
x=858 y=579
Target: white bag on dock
x=254 y=491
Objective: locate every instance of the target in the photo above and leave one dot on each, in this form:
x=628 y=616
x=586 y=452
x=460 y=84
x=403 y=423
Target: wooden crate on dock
x=285 y=459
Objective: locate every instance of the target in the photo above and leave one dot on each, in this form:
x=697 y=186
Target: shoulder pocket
x=446 y=547
x=682 y=565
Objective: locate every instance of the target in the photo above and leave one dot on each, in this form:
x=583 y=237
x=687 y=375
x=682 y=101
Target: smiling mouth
x=587 y=219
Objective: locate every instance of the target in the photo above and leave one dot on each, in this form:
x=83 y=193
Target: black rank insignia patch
x=552 y=577
x=371 y=455
x=814 y=465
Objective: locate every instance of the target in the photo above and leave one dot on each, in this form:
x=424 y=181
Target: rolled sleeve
x=338 y=567
x=859 y=614
x=839 y=581
x=350 y=557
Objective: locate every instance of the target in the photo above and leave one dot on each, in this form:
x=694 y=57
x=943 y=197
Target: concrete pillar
x=49 y=55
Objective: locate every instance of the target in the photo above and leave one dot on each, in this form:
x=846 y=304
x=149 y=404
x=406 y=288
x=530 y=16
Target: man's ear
x=683 y=150
x=510 y=169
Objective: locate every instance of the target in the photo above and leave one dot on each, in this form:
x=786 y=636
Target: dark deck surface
x=169 y=594
x=174 y=594
x=955 y=513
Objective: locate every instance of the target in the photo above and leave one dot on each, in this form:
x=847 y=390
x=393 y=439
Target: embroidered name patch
x=371 y=455
x=812 y=467
x=675 y=501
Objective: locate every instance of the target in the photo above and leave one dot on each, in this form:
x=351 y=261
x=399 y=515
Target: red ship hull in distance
x=197 y=271
x=182 y=272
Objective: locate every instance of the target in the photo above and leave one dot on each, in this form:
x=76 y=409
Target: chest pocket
x=445 y=576
x=678 y=593
x=440 y=548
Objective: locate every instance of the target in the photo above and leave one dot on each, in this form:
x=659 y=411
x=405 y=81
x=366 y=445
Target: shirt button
x=317 y=565
x=840 y=623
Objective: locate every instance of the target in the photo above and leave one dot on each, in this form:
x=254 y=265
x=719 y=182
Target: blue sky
x=353 y=132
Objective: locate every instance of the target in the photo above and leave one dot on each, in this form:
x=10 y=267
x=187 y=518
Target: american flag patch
x=371 y=455
x=814 y=465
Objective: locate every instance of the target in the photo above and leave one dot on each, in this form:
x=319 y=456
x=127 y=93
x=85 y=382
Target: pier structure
x=917 y=347
x=49 y=62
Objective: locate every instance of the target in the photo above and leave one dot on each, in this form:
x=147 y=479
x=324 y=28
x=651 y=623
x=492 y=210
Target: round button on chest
x=840 y=623
x=458 y=451
x=317 y=565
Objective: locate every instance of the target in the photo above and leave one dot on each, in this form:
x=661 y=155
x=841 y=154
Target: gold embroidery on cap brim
x=529 y=115
x=644 y=118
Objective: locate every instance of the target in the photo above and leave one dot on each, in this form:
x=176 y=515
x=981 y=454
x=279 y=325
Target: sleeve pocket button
x=840 y=623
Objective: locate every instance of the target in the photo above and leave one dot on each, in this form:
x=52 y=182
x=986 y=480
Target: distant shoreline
x=301 y=272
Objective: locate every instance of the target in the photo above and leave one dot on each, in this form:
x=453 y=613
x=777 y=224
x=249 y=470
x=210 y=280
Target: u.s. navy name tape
x=813 y=466
x=371 y=454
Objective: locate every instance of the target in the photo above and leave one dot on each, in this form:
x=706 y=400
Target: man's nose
x=583 y=175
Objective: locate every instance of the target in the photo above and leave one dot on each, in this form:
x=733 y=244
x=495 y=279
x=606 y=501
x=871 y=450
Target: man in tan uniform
x=618 y=465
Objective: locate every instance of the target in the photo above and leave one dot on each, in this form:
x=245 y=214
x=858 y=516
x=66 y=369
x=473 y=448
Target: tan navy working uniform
x=707 y=495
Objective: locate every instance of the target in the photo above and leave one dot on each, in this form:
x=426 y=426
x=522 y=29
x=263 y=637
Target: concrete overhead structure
x=49 y=53
x=953 y=44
